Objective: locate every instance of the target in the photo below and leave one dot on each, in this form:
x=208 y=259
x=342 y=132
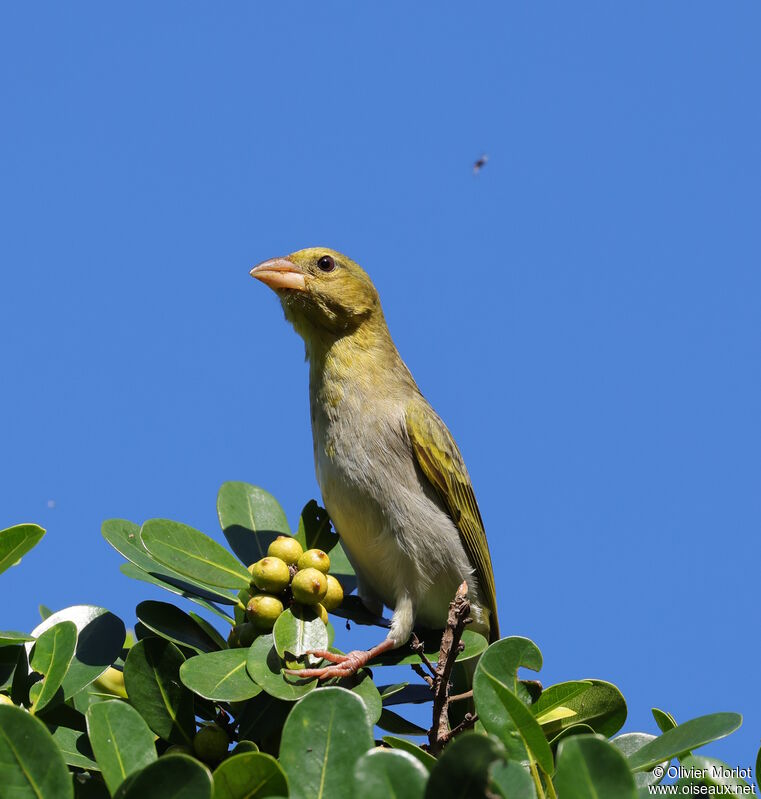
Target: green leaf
x=250 y=775
x=8 y=637
x=511 y=780
x=504 y=657
x=567 y=732
x=266 y=669
x=389 y=774
x=387 y=691
x=475 y=644
x=100 y=636
x=9 y=656
x=710 y=772
x=193 y=554
x=502 y=713
x=315 y=532
x=363 y=686
x=590 y=768
x=169 y=622
x=220 y=676
x=664 y=720
x=263 y=717
x=323 y=737
x=393 y=722
x=135 y=573
x=244 y=746
x=632 y=742
x=120 y=739
x=75 y=747
x=601 y=706
x=31 y=764
x=353 y=609
x=210 y=630
x=175 y=777
x=462 y=771
x=51 y=655
x=251 y=519
x=89 y=696
x=124 y=537
x=152 y=680
x=690 y=735
x=297 y=630
x=429 y=761
x=552 y=701
x=408 y=695
x=315 y=529
x=16 y=541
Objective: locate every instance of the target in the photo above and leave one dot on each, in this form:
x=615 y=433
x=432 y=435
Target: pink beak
x=280 y=273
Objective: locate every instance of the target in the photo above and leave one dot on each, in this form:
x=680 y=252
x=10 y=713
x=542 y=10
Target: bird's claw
x=341 y=665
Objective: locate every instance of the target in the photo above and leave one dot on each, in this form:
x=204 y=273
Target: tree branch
x=440 y=733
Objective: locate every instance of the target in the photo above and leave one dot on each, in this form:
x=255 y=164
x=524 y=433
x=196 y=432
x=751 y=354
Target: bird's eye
x=326 y=263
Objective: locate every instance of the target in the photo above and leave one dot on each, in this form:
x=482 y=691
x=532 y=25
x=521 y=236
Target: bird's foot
x=342 y=665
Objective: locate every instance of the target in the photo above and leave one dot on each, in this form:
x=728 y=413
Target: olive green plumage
x=442 y=464
x=391 y=475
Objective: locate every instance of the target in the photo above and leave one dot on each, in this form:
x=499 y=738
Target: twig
x=419 y=649
x=418 y=669
x=460 y=697
x=468 y=721
x=439 y=734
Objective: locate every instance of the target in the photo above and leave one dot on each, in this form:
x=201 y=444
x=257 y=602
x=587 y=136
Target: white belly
x=398 y=538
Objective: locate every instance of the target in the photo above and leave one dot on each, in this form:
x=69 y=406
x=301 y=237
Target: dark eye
x=326 y=263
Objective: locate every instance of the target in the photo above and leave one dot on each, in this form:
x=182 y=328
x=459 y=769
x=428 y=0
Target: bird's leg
x=347 y=665
x=343 y=665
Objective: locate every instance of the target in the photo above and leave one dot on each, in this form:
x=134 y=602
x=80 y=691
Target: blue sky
x=584 y=313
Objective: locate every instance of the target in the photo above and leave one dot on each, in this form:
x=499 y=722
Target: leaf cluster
x=173 y=710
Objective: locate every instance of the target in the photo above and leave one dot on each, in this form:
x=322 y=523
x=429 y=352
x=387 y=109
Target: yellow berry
x=210 y=743
x=335 y=595
x=315 y=559
x=178 y=749
x=309 y=586
x=5 y=700
x=112 y=681
x=263 y=610
x=321 y=612
x=286 y=548
x=270 y=574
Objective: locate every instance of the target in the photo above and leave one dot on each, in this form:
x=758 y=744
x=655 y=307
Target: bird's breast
x=392 y=524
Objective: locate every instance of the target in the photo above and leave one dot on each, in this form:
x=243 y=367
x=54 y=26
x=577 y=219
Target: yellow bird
x=391 y=476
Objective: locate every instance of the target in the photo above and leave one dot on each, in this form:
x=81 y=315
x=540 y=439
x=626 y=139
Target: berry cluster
x=287 y=577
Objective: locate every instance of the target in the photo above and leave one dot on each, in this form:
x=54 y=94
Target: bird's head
x=322 y=291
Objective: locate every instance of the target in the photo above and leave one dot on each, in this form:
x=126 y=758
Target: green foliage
x=152 y=680
x=31 y=765
x=249 y=775
x=120 y=739
x=220 y=676
x=389 y=774
x=51 y=657
x=16 y=541
x=99 y=716
x=588 y=766
x=323 y=738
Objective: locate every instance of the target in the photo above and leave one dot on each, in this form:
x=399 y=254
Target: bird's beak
x=280 y=273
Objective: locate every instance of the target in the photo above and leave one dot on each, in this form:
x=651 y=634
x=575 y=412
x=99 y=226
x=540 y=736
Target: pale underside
x=402 y=542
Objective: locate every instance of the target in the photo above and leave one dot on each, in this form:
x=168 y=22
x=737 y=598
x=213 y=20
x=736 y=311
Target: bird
x=392 y=478
x=480 y=163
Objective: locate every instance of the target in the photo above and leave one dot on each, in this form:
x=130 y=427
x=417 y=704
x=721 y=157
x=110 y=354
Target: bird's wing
x=442 y=464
